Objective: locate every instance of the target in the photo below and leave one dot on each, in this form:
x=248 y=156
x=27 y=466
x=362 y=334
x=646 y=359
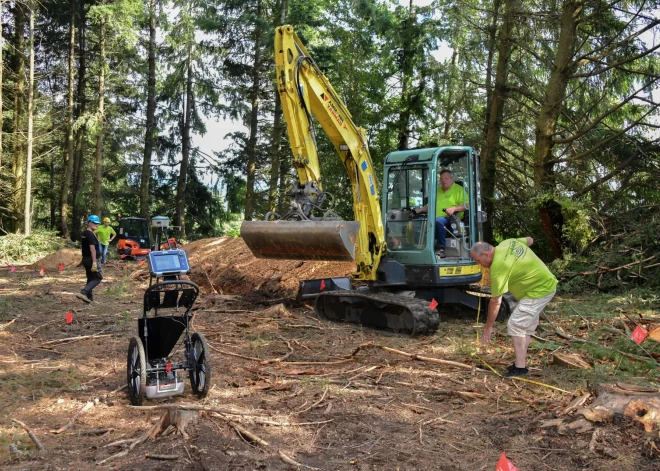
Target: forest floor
x=296 y=383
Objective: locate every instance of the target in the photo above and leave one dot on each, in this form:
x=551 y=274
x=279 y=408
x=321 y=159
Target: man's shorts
x=525 y=317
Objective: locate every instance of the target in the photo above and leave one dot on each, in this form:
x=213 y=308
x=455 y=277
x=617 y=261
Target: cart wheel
x=136 y=371
x=200 y=368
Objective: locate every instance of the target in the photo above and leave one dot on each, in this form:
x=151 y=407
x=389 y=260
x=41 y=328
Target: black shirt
x=89 y=238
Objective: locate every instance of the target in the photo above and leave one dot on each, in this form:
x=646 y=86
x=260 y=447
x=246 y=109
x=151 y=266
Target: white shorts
x=525 y=317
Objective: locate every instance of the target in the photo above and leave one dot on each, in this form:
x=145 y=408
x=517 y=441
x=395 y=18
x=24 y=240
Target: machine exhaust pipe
x=302 y=240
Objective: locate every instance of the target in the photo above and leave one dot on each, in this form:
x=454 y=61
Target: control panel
x=168 y=262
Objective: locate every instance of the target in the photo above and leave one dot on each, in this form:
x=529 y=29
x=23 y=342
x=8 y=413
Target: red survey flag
x=69 y=317
x=123 y=256
x=639 y=334
x=61 y=267
x=12 y=269
x=504 y=464
x=42 y=272
x=322 y=285
x=433 y=304
x=140 y=261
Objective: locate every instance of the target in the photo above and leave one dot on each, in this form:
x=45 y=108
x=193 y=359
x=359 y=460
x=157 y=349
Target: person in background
x=90 y=251
x=105 y=235
x=515 y=268
x=450 y=199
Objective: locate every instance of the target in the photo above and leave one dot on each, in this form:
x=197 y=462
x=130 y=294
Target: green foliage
x=19 y=249
x=577 y=227
x=622 y=258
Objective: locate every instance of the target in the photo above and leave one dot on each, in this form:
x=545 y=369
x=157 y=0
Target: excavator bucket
x=302 y=240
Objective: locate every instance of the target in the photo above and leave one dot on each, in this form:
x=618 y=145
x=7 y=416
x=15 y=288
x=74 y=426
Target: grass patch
x=117 y=289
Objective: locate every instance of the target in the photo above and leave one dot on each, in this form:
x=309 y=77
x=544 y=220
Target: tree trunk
x=2 y=45
x=68 y=156
x=254 y=116
x=490 y=151
x=546 y=123
x=79 y=162
x=277 y=134
x=406 y=69
x=52 y=194
x=28 y=166
x=451 y=98
x=150 y=133
x=18 y=164
x=492 y=38
x=98 y=181
x=185 y=149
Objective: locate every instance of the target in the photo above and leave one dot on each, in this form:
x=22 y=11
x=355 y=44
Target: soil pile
x=228 y=264
x=66 y=257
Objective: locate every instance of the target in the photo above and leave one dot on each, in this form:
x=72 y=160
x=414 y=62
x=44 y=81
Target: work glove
x=414 y=212
x=95 y=267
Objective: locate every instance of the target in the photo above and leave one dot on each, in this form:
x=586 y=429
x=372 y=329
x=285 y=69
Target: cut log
x=655 y=334
x=644 y=409
x=571 y=360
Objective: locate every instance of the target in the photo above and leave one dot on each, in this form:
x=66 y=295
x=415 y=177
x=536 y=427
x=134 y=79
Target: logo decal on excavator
x=371 y=185
x=364 y=166
x=332 y=109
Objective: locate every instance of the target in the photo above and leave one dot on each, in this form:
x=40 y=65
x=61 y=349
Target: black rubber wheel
x=136 y=371
x=200 y=367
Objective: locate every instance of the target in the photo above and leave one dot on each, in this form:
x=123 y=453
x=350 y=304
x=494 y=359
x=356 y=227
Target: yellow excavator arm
x=305 y=93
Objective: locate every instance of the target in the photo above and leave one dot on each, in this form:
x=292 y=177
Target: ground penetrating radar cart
x=154 y=364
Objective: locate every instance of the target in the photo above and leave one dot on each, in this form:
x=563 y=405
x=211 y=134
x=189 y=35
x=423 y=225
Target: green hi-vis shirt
x=104 y=233
x=454 y=196
x=517 y=269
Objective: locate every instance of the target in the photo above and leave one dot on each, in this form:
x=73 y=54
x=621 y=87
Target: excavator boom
x=310 y=229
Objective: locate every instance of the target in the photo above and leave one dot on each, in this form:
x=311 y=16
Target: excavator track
x=399 y=313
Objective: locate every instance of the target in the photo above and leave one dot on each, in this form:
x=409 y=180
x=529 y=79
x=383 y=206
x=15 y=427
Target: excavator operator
x=451 y=199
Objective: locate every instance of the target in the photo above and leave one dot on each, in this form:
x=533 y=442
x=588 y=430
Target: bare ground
x=287 y=377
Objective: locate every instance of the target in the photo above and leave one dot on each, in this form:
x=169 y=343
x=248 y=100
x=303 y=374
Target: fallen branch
x=245 y=433
x=125 y=452
x=282 y=358
x=292 y=462
x=184 y=406
x=461 y=394
x=210 y=282
x=338 y=362
x=30 y=433
x=85 y=408
x=261 y=421
x=4 y=326
x=325 y=391
x=231 y=354
x=412 y=356
x=74 y=339
x=162 y=457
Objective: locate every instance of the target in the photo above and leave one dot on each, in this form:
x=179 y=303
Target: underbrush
x=19 y=249
x=624 y=257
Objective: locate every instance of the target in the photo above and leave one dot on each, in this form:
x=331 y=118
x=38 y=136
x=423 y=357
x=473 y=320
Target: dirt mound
x=67 y=257
x=231 y=268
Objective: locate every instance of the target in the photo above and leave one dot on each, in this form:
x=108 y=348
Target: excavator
x=401 y=277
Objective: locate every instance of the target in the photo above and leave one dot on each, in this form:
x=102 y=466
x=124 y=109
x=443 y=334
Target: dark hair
x=447 y=171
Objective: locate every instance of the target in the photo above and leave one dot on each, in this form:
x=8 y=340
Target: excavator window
x=407 y=190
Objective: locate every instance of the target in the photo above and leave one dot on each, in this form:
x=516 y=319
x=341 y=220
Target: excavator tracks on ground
x=399 y=313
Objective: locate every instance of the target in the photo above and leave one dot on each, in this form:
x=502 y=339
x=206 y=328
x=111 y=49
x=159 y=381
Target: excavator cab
x=411 y=181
